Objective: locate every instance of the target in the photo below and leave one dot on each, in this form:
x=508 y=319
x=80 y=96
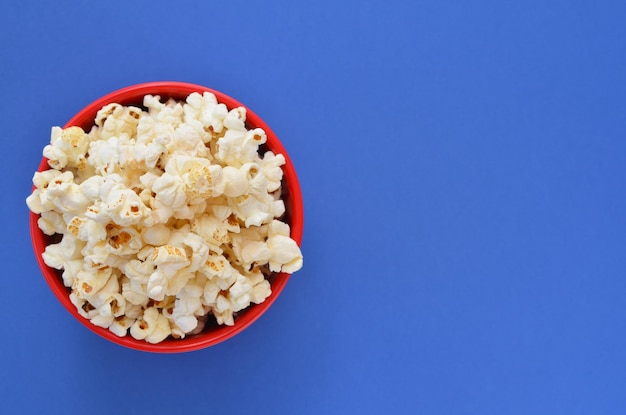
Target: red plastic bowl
x=133 y=95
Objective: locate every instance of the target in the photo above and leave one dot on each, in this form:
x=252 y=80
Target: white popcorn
x=134 y=293
x=270 y=168
x=97 y=254
x=169 y=259
x=206 y=109
x=156 y=235
x=189 y=140
x=199 y=249
x=249 y=209
x=90 y=187
x=65 y=195
x=255 y=252
x=210 y=292
x=171 y=114
x=285 y=254
x=104 y=155
x=200 y=179
x=240 y=294
x=165 y=215
x=155 y=150
x=135 y=311
x=235 y=119
x=42 y=179
x=86 y=229
x=139 y=270
x=261 y=288
x=260 y=292
x=115 y=120
x=71 y=268
x=219 y=270
x=51 y=222
x=56 y=158
x=67 y=148
x=277 y=227
x=120 y=325
x=238 y=147
x=38 y=201
x=124 y=206
x=153 y=326
x=214 y=231
x=88 y=283
x=123 y=240
x=235 y=181
x=114 y=305
x=161 y=330
x=103 y=297
x=188 y=306
x=245 y=237
x=56 y=255
x=170 y=192
x=83 y=307
x=102 y=321
x=224 y=317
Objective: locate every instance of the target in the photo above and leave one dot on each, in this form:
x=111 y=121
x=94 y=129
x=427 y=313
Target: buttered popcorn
x=167 y=215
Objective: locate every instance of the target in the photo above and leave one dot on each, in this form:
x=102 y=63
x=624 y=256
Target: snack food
x=168 y=214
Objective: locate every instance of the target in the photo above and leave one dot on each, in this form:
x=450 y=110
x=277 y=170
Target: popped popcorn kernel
x=167 y=215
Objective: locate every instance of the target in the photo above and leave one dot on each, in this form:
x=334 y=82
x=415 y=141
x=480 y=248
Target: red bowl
x=294 y=215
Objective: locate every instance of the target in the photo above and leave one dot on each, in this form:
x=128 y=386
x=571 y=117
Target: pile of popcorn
x=167 y=215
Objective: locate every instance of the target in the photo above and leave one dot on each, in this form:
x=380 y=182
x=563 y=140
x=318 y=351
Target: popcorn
x=65 y=195
x=189 y=139
x=250 y=210
x=86 y=229
x=115 y=120
x=235 y=181
x=89 y=282
x=121 y=324
x=51 y=222
x=38 y=201
x=169 y=259
x=152 y=327
x=67 y=148
x=238 y=147
x=90 y=187
x=57 y=255
x=134 y=293
x=206 y=109
x=166 y=279
x=155 y=150
x=124 y=206
x=188 y=306
x=166 y=215
x=218 y=266
x=255 y=251
x=200 y=179
x=261 y=288
x=139 y=270
x=114 y=306
x=170 y=192
x=212 y=230
x=270 y=168
x=156 y=235
x=71 y=268
x=285 y=255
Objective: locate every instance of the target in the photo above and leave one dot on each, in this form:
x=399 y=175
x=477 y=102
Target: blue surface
x=462 y=165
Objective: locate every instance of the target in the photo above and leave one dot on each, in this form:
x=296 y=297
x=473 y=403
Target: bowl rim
x=179 y=90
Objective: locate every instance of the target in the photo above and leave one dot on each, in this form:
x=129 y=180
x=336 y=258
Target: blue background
x=462 y=168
